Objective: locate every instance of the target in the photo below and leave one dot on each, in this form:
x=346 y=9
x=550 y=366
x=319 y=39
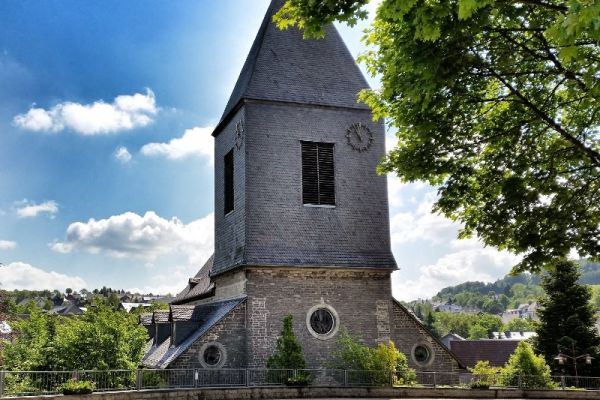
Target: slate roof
x=496 y=352
x=162 y=355
x=283 y=66
x=160 y=316
x=146 y=319
x=186 y=313
x=199 y=286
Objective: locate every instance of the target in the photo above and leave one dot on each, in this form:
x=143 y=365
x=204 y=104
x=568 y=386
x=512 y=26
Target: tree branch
x=593 y=155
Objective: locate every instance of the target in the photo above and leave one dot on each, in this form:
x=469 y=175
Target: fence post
x=75 y=375
x=519 y=381
x=1 y=383
x=434 y=380
x=562 y=382
x=345 y=377
x=138 y=379
x=247 y=376
x=391 y=378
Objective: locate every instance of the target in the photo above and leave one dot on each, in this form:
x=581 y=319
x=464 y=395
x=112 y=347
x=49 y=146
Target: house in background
x=497 y=352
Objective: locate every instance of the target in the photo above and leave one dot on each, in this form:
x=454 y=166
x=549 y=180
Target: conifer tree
x=566 y=315
x=288 y=351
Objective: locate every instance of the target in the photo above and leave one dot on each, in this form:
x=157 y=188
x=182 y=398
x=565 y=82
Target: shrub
x=73 y=386
x=350 y=354
x=480 y=385
x=484 y=375
x=526 y=369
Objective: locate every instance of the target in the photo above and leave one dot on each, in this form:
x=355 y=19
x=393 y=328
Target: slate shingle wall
x=280 y=230
x=229 y=229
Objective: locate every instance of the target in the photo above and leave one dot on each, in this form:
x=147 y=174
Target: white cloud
x=422 y=224
x=122 y=154
x=7 y=244
x=172 y=281
x=195 y=141
x=18 y=275
x=144 y=237
x=472 y=263
x=124 y=113
x=30 y=210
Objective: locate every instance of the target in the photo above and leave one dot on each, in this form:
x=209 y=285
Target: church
x=301 y=221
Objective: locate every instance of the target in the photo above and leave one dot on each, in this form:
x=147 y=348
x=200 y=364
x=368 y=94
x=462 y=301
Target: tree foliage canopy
x=99 y=339
x=497 y=104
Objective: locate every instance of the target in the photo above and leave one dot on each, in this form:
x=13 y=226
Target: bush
x=77 y=387
x=152 y=379
x=350 y=354
x=480 y=385
x=526 y=369
x=484 y=375
x=301 y=378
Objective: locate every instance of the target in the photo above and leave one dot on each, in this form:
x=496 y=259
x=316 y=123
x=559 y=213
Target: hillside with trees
x=474 y=309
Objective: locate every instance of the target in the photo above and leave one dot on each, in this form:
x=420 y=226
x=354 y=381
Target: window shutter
x=310 y=173
x=326 y=174
x=318 y=173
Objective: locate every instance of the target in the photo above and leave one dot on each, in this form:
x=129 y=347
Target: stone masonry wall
x=406 y=332
x=362 y=300
x=273 y=293
x=230 y=332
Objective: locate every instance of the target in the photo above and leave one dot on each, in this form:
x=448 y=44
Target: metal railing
x=21 y=383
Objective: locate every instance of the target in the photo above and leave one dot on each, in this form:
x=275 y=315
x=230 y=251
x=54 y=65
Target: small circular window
x=422 y=354
x=212 y=355
x=322 y=321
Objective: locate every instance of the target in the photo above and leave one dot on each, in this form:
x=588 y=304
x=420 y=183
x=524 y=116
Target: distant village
x=19 y=303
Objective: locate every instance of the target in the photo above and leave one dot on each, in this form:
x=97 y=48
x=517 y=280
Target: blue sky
x=106 y=110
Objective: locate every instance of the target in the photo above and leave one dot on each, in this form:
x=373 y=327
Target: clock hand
x=359 y=136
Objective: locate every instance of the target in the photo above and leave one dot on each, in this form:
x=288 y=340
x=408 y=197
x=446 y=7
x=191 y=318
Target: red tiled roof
x=496 y=352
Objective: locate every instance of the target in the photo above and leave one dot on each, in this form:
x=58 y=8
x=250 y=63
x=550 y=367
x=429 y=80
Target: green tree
x=497 y=104
x=30 y=350
x=521 y=325
x=288 y=351
x=566 y=312
x=526 y=369
x=100 y=339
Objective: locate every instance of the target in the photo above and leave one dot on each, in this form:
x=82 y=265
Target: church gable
x=423 y=350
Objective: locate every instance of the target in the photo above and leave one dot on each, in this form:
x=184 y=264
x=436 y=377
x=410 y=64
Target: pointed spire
x=283 y=66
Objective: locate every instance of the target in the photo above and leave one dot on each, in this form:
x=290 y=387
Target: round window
x=422 y=354
x=321 y=321
x=212 y=355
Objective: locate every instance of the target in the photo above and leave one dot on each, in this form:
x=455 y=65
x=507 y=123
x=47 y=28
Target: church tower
x=301 y=219
x=295 y=160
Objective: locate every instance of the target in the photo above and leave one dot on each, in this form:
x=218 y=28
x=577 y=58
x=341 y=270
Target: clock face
x=359 y=137
x=239 y=134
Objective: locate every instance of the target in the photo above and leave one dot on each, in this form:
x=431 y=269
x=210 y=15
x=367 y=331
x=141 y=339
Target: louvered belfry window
x=228 y=182
x=318 y=178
